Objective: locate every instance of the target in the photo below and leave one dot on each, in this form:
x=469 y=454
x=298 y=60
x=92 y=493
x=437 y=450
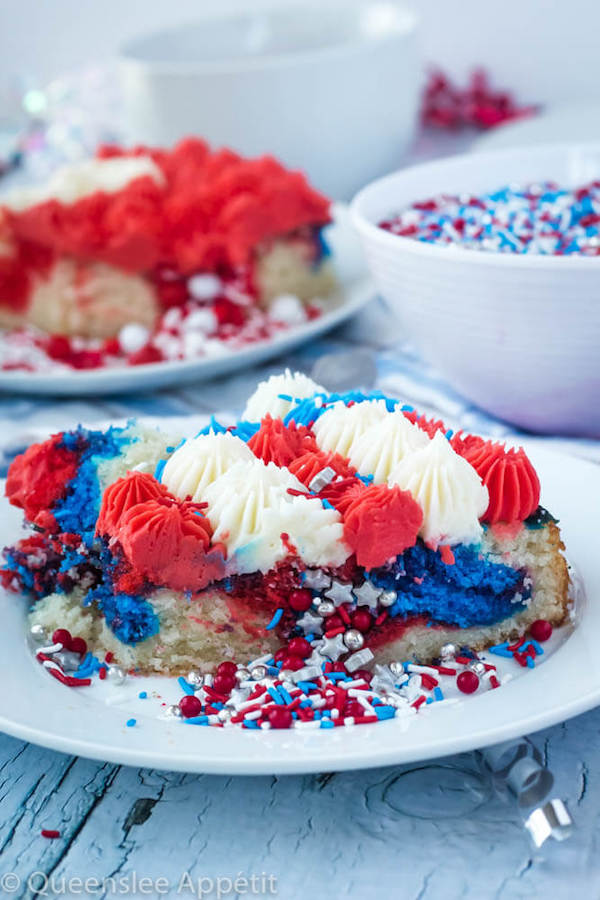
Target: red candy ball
x=226 y=668
x=333 y=622
x=78 y=645
x=467 y=682
x=298 y=646
x=223 y=684
x=62 y=636
x=280 y=655
x=540 y=630
x=190 y=706
x=292 y=662
x=280 y=717
x=362 y=620
x=300 y=600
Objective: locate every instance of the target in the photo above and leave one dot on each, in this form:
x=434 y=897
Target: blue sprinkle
x=196 y=720
x=305 y=704
x=250 y=723
x=537 y=647
x=284 y=694
x=530 y=662
x=185 y=687
x=307 y=686
x=327 y=723
x=273 y=692
x=160 y=465
x=143 y=695
x=131 y=722
x=275 y=620
x=437 y=693
x=501 y=650
x=384 y=712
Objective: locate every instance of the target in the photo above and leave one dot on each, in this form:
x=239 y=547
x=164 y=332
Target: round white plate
x=91 y=721
x=577 y=122
x=356 y=290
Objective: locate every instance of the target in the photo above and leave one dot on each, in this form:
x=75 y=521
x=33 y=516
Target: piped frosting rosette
x=256 y=517
x=448 y=490
x=200 y=461
x=341 y=426
x=384 y=444
x=278 y=394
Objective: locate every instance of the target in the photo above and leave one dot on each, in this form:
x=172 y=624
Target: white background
x=547 y=50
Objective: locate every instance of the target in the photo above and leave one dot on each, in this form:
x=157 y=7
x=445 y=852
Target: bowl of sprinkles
x=492 y=263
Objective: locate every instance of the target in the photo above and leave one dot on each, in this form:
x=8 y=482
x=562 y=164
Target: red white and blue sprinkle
x=536 y=219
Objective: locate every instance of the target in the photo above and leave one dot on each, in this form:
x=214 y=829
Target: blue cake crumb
x=473 y=591
x=131 y=619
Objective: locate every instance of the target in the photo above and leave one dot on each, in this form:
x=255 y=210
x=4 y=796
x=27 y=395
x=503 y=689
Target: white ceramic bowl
x=331 y=88
x=517 y=335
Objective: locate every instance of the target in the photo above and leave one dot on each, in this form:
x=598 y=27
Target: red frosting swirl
x=343 y=492
x=39 y=477
x=430 y=426
x=510 y=478
x=168 y=543
x=279 y=443
x=119 y=497
x=211 y=212
x=380 y=523
x=465 y=443
x=309 y=464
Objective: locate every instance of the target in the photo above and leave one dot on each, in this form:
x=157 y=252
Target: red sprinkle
x=50 y=833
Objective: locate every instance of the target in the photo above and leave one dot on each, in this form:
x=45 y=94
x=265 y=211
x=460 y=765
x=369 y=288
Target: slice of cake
x=133 y=234
x=337 y=527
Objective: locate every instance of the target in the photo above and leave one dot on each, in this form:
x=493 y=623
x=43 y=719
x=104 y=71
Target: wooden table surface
x=418 y=832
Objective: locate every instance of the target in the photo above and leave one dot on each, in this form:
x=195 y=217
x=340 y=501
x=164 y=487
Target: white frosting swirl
x=200 y=461
x=448 y=490
x=267 y=396
x=340 y=426
x=383 y=445
x=246 y=508
x=249 y=508
x=70 y=183
x=316 y=532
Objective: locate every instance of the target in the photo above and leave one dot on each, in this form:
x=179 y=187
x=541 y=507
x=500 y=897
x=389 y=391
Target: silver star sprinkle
x=310 y=624
x=333 y=647
x=367 y=595
x=340 y=592
x=316 y=579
